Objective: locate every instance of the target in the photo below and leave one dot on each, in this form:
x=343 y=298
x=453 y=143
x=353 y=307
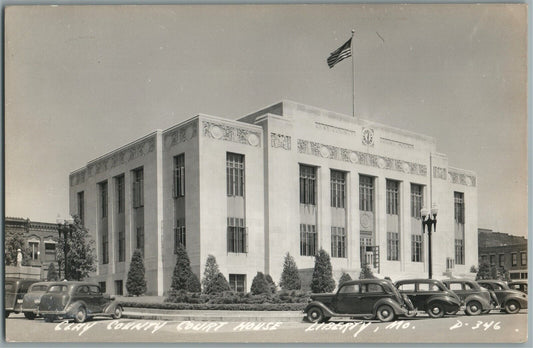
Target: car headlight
x=37 y=300
x=19 y=300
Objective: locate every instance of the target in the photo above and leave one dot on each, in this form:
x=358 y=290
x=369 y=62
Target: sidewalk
x=212 y=315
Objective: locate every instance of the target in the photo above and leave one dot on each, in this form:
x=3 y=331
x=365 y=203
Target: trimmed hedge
x=217 y=306
x=230 y=297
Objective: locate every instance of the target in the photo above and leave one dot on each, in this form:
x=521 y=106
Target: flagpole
x=353 y=72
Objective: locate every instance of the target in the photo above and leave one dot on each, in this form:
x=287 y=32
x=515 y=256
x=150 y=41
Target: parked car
x=31 y=300
x=78 y=301
x=14 y=290
x=367 y=298
x=510 y=301
x=520 y=285
x=474 y=298
x=430 y=295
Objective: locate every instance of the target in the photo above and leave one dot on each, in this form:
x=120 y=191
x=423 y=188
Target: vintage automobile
x=78 y=301
x=14 y=291
x=366 y=298
x=474 y=298
x=510 y=301
x=31 y=300
x=520 y=285
x=430 y=295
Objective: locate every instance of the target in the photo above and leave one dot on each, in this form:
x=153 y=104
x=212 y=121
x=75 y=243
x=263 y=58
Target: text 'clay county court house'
x=288 y=178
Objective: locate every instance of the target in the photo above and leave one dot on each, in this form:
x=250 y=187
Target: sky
x=82 y=81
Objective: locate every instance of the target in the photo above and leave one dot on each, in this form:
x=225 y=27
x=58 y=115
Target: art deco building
x=288 y=178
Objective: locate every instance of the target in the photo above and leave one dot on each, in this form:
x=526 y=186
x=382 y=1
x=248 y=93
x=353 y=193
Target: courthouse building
x=288 y=178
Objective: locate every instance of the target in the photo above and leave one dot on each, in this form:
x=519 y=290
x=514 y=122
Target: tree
x=366 y=272
x=213 y=281
x=271 y=283
x=136 y=284
x=484 y=271
x=260 y=285
x=344 y=278
x=52 y=273
x=322 y=280
x=14 y=240
x=290 y=279
x=220 y=284
x=81 y=257
x=183 y=277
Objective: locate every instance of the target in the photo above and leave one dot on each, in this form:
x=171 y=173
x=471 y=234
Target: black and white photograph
x=266 y=173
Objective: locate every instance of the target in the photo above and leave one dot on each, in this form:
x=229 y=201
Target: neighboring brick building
x=503 y=250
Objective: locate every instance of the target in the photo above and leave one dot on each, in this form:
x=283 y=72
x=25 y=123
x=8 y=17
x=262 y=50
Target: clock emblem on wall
x=368 y=136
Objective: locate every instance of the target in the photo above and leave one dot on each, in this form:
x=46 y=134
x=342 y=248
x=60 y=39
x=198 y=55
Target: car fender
x=395 y=306
x=71 y=307
x=520 y=299
x=445 y=299
x=485 y=304
x=326 y=310
x=110 y=308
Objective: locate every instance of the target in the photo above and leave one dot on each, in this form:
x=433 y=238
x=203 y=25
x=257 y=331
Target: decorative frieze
x=439 y=173
x=461 y=178
x=396 y=143
x=280 y=141
x=77 y=178
x=234 y=134
x=334 y=129
x=181 y=134
x=347 y=155
x=121 y=157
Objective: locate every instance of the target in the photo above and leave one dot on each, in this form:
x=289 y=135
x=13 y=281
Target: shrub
x=220 y=284
x=484 y=271
x=260 y=284
x=219 y=306
x=213 y=281
x=366 y=272
x=136 y=284
x=290 y=280
x=52 y=273
x=344 y=278
x=183 y=277
x=271 y=283
x=322 y=275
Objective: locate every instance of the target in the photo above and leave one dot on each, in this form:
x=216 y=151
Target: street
x=491 y=328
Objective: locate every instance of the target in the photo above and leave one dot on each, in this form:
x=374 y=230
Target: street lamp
x=64 y=226
x=429 y=219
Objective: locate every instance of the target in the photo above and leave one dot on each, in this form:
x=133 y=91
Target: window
x=81 y=206
x=484 y=259
x=523 y=258
x=121 y=246
x=236 y=235
x=307 y=240
x=459 y=207
x=514 y=258
x=416 y=248
x=392 y=197
x=350 y=289
x=366 y=193
x=105 y=248
x=57 y=288
x=179 y=234
x=455 y=286
x=179 y=176
x=138 y=188
x=501 y=260
x=417 y=200
x=103 y=199
x=102 y=286
x=427 y=287
x=84 y=290
x=407 y=287
x=450 y=263
x=338 y=189
x=237 y=282
x=460 y=252
x=34 y=250
x=49 y=251
x=235 y=174
x=492 y=260
x=393 y=246
x=119 y=185
x=338 y=242
x=374 y=288
x=119 y=287
x=307 y=185
x=140 y=239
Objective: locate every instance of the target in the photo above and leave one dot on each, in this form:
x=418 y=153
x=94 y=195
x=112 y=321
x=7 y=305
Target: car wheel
x=512 y=307
x=81 y=315
x=385 y=313
x=436 y=310
x=315 y=315
x=473 y=308
x=29 y=315
x=117 y=313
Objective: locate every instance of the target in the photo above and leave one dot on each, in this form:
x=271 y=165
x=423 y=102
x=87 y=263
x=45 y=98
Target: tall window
x=49 y=251
x=119 y=185
x=179 y=234
x=459 y=207
x=338 y=189
x=307 y=185
x=138 y=188
x=119 y=286
x=417 y=201
x=338 y=242
x=416 y=248
x=105 y=248
x=140 y=239
x=235 y=174
x=501 y=260
x=392 y=197
x=121 y=246
x=236 y=235
x=103 y=199
x=523 y=258
x=393 y=246
x=366 y=193
x=460 y=252
x=459 y=215
x=492 y=260
x=179 y=176
x=34 y=250
x=307 y=240
x=514 y=259
x=81 y=207
x=237 y=282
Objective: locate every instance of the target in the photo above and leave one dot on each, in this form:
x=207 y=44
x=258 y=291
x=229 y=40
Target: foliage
x=231 y=297
x=290 y=280
x=220 y=284
x=322 y=280
x=13 y=241
x=473 y=269
x=260 y=285
x=136 y=284
x=344 y=278
x=220 y=306
x=271 y=283
x=81 y=257
x=487 y=271
x=366 y=272
x=52 y=273
x=183 y=277
x=211 y=272
x=484 y=271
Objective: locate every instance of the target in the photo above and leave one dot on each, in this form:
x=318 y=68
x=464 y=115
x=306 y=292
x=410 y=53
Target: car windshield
x=40 y=287
x=58 y=288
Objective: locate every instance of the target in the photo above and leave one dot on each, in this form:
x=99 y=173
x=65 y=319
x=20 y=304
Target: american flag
x=340 y=53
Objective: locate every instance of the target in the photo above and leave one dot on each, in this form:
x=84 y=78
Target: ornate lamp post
x=64 y=227
x=429 y=220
